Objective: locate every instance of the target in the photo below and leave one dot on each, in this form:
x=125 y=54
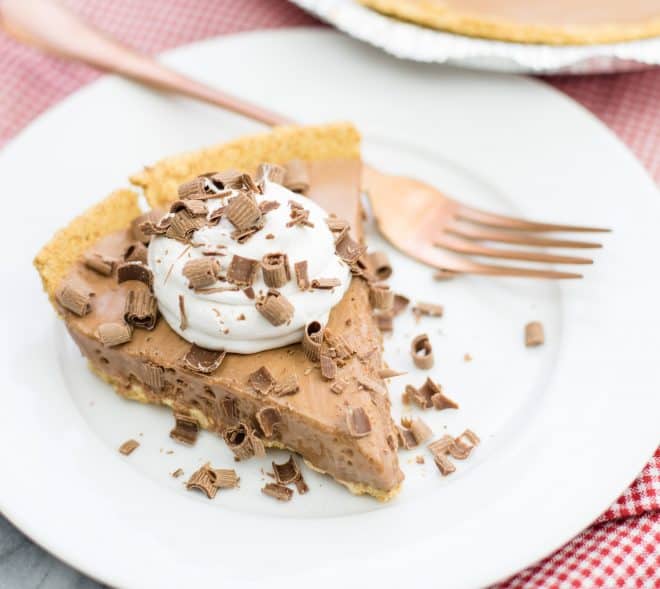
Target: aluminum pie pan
x=417 y=43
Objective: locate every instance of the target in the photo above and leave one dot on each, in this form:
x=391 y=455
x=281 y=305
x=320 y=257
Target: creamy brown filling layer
x=312 y=421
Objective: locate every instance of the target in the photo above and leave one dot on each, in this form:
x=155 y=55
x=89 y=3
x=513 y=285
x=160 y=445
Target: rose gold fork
x=431 y=227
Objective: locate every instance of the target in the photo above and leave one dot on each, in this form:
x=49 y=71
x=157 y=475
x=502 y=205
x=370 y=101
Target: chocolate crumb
x=177 y=473
x=358 y=422
x=467 y=357
x=299 y=216
x=270 y=236
x=279 y=492
x=422 y=352
x=261 y=380
x=185 y=429
x=339 y=386
x=289 y=386
x=534 y=334
x=128 y=447
x=419 y=459
x=202 y=360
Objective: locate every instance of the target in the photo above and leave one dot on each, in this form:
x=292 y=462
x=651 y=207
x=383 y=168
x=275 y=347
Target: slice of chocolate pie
x=241 y=300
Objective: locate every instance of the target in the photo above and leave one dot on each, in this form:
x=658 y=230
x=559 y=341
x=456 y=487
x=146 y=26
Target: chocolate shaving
x=270 y=172
x=441 y=401
x=400 y=304
x=427 y=309
x=275 y=269
x=275 y=307
x=444 y=465
x=421 y=431
x=183 y=225
x=312 y=339
x=230 y=409
x=75 y=299
x=128 y=446
x=328 y=367
x=249 y=292
x=302 y=278
x=227 y=179
x=99 y=263
x=196 y=208
x=443 y=274
x=266 y=206
x=135 y=252
x=226 y=478
x=201 y=272
x=239 y=438
x=336 y=345
x=384 y=321
x=422 y=352
x=268 y=418
x=141 y=309
x=358 y=422
x=390 y=372
x=202 y=360
x=135 y=271
x=177 y=473
x=297 y=176
x=301 y=485
x=287 y=472
x=289 y=386
x=243 y=212
x=534 y=334
x=153 y=216
x=261 y=380
x=114 y=334
x=279 y=492
x=299 y=216
x=380 y=265
x=185 y=429
x=215 y=215
x=183 y=317
x=203 y=480
x=149 y=228
x=153 y=376
x=325 y=283
x=242 y=271
x=217 y=289
x=348 y=249
x=337 y=226
x=371 y=384
x=381 y=297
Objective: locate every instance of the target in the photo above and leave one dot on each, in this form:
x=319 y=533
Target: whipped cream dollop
x=229 y=320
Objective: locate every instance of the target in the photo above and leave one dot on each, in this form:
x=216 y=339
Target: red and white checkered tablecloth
x=622 y=548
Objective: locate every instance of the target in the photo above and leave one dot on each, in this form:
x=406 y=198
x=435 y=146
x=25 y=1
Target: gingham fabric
x=622 y=548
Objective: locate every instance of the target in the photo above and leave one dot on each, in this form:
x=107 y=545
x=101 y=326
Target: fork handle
x=49 y=26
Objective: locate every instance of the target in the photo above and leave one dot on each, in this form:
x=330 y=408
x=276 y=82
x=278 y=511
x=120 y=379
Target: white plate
x=565 y=427
x=412 y=41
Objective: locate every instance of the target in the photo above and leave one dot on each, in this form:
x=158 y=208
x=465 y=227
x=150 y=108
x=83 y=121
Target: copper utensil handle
x=51 y=27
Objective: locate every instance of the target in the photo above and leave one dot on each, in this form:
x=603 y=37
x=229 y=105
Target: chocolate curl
x=204 y=361
x=534 y=334
x=261 y=380
x=275 y=308
x=380 y=265
x=242 y=271
x=183 y=225
x=243 y=212
x=268 y=418
x=270 y=172
x=75 y=299
x=312 y=340
x=302 y=277
x=197 y=188
x=406 y=438
x=194 y=207
x=297 y=176
x=203 y=480
x=279 y=492
x=422 y=352
x=226 y=478
x=381 y=297
x=226 y=178
x=201 y=272
x=135 y=271
x=152 y=217
x=400 y=304
x=135 y=252
x=114 y=334
x=239 y=438
x=141 y=309
x=325 y=283
x=275 y=269
x=421 y=431
x=286 y=473
x=128 y=447
x=185 y=429
x=99 y=263
x=348 y=249
x=153 y=376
